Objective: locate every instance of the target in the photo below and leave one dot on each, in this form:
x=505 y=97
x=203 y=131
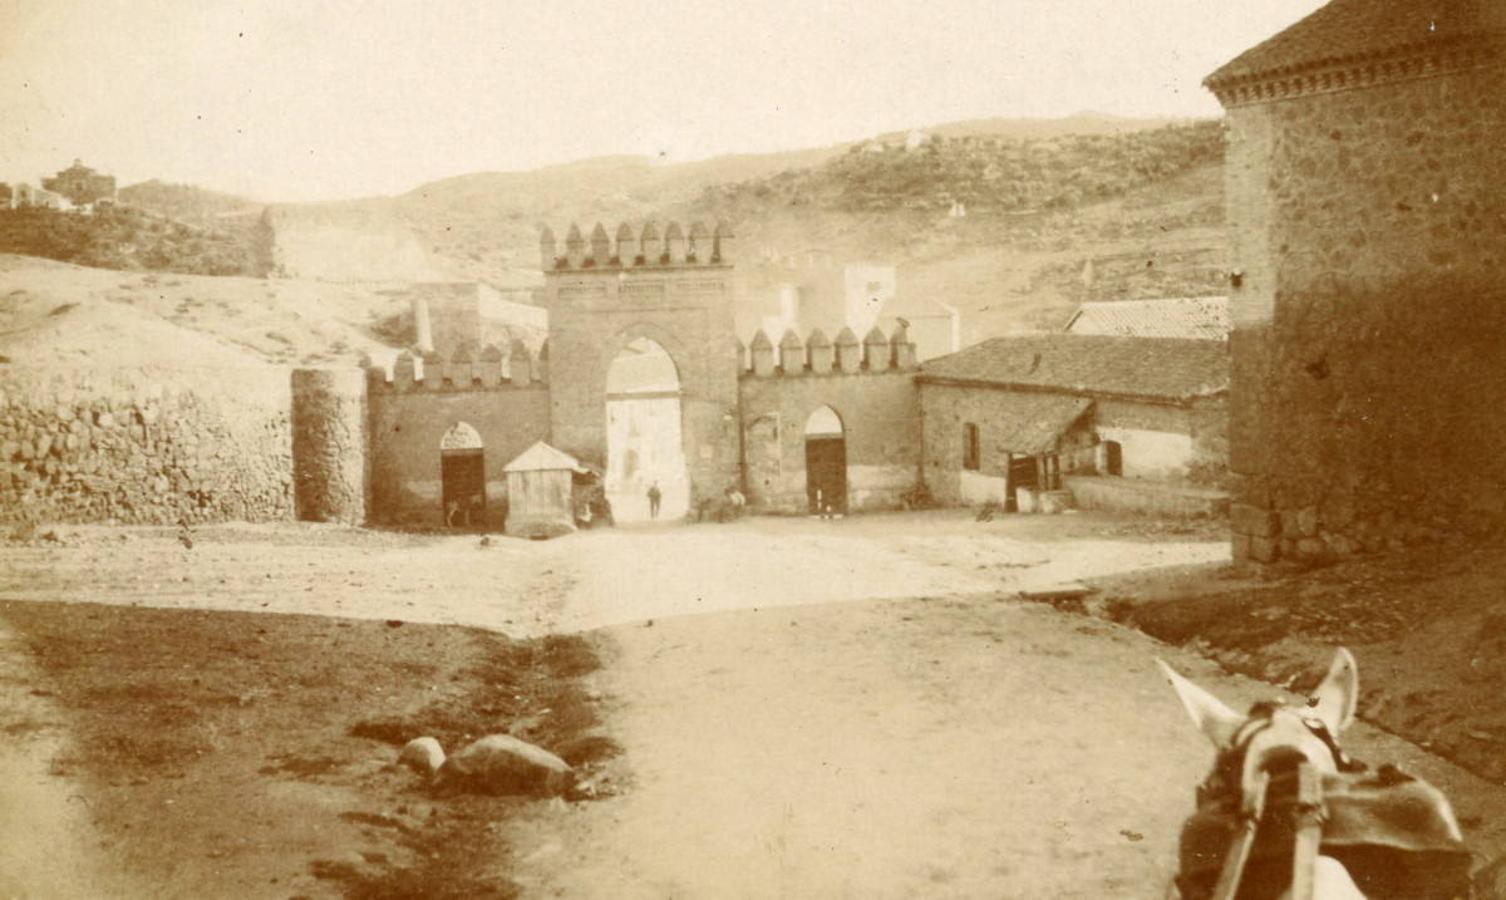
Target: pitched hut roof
x=543 y=458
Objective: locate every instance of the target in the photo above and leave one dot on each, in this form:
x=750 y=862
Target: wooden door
x=463 y=476
x=826 y=472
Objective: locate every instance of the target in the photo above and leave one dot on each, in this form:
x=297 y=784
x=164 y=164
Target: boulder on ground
x=502 y=764
x=422 y=755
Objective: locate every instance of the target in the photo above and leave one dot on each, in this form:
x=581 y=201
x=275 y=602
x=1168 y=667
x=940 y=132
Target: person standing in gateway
x=653 y=500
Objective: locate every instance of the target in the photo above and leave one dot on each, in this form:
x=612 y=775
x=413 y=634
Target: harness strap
x=1307 y=812
x=1239 y=852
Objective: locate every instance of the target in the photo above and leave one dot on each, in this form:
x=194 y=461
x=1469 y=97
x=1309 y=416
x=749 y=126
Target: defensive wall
x=369 y=445
x=1367 y=224
x=145 y=445
x=869 y=385
x=411 y=406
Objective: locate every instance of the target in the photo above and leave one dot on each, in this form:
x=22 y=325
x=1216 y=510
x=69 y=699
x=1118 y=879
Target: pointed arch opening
x=825 y=463
x=647 y=477
x=462 y=473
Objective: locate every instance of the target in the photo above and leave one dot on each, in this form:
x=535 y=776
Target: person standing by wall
x=654 y=496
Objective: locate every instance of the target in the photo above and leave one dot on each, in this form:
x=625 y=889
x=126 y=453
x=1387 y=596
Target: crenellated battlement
x=466 y=369
x=643 y=248
x=820 y=355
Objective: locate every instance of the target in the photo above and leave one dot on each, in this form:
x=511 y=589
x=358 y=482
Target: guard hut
x=540 y=493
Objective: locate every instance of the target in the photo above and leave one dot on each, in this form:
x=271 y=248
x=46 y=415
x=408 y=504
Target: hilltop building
x=1367 y=236
x=81 y=184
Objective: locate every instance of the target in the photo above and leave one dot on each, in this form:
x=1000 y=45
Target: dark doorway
x=1022 y=474
x=826 y=473
x=826 y=462
x=463 y=474
x=1113 y=458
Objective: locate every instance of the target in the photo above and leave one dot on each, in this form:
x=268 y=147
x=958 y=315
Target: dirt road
x=783 y=739
x=953 y=747
x=586 y=580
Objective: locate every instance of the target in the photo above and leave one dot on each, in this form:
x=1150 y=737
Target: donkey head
x=1274 y=735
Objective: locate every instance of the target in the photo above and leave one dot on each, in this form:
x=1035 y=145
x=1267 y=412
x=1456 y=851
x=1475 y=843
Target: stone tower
x=1366 y=197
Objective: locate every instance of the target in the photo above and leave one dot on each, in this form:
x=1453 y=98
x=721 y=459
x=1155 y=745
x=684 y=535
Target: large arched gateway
x=645 y=442
x=607 y=295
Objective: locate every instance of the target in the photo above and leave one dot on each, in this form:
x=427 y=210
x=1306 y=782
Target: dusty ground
x=941 y=739
x=1427 y=624
x=191 y=753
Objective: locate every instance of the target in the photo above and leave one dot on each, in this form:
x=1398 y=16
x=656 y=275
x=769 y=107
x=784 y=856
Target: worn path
x=953 y=747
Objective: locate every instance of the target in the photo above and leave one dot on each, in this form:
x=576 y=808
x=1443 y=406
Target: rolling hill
x=1139 y=199
x=1057 y=212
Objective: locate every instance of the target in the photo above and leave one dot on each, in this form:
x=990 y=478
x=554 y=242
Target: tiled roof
x=1032 y=422
x=1346 y=31
x=1151 y=368
x=1197 y=318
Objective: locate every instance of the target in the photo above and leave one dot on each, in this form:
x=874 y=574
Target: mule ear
x=1212 y=717
x=1334 y=700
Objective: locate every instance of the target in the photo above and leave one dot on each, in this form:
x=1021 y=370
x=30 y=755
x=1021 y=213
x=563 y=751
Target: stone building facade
x=1366 y=198
x=1026 y=411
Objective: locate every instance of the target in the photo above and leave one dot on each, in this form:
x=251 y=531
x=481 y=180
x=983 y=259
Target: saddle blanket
x=1396 y=835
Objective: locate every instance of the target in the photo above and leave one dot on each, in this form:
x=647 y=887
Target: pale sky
x=304 y=100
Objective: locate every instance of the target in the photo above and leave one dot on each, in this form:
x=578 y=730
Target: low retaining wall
x=1155 y=498
x=145 y=445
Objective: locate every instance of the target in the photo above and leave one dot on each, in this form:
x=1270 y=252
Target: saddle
x=1395 y=834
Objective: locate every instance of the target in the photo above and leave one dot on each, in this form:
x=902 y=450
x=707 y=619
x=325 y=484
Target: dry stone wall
x=144 y=446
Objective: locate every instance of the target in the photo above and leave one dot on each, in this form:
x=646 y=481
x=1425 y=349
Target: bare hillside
x=54 y=313
x=1140 y=199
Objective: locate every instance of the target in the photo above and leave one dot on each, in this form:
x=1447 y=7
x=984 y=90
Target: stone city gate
x=674 y=289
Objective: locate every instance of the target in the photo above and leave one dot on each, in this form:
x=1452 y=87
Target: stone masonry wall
x=145 y=446
x=1369 y=402
x=945 y=408
x=880 y=413
x=406 y=423
x=329 y=445
x=686 y=309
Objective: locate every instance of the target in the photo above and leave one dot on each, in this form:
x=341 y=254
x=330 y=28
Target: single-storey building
x=540 y=492
x=1026 y=411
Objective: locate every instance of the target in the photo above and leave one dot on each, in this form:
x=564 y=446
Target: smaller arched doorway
x=825 y=463
x=462 y=474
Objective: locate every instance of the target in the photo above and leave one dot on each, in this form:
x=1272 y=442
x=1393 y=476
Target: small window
x=1113 y=458
x=970 y=446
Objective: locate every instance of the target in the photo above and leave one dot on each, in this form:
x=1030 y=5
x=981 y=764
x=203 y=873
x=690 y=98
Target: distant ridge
x=1083 y=123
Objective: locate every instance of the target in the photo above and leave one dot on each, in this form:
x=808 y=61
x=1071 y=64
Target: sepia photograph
x=784 y=449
